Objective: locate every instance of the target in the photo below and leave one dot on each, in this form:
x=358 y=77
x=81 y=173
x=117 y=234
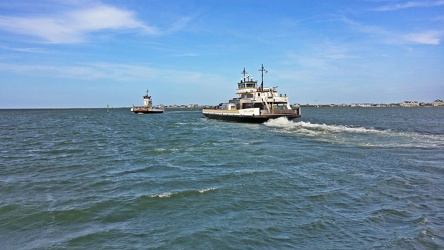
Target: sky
x=89 y=54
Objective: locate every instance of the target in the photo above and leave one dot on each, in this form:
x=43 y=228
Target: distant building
x=363 y=105
x=409 y=104
x=437 y=102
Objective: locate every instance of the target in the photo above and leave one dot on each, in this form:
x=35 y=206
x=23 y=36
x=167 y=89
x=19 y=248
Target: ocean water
x=338 y=178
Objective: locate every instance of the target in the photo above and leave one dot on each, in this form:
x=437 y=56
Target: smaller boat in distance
x=254 y=103
x=147 y=107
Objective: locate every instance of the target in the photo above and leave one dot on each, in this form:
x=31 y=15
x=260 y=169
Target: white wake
x=356 y=135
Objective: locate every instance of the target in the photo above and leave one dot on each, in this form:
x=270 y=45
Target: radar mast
x=262 y=69
x=244 y=72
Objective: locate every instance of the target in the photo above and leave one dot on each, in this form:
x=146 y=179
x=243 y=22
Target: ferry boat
x=254 y=103
x=147 y=107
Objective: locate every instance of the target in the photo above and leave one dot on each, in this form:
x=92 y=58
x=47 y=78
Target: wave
x=313 y=127
x=356 y=135
x=183 y=193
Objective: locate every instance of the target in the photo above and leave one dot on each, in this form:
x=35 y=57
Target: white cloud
x=381 y=35
x=91 y=71
x=186 y=54
x=179 y=24
x=28 y=50
x=109 y=72
x=105 y=17
x=427 y=37
x=74 y=26
x=411 y=4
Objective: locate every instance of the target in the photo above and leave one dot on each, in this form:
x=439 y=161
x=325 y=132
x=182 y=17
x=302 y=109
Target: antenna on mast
x=244 y=72
x=262 y=69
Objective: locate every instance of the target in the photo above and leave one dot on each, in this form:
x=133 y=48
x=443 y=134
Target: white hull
x=249 y=115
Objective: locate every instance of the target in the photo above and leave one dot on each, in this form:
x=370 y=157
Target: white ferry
x=147 y=107
x=254 y=103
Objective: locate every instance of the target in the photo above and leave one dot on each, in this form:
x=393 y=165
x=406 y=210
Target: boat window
x=258 y=105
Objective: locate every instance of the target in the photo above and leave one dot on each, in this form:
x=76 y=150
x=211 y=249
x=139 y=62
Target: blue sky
x=79 y=53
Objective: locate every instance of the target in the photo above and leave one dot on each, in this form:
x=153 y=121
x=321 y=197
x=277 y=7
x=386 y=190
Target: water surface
x=353 y=178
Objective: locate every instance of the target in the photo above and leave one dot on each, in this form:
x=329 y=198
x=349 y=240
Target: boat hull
x=143 y=110
x=248 y=118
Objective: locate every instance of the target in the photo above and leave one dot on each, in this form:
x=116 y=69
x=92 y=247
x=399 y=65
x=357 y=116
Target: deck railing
x=280 y=111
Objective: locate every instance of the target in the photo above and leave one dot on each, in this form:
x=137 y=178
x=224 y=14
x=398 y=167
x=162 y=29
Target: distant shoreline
x=202 y=107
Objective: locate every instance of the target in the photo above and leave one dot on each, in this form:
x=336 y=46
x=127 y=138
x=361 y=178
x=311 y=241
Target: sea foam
x=359 y=136
x=183 y=193
x=286 y=124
